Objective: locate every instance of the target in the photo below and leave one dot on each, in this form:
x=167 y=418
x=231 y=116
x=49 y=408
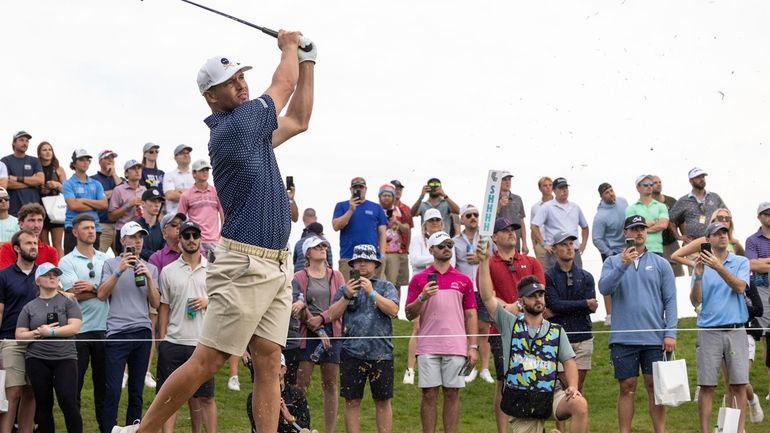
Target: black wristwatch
x=20 y=179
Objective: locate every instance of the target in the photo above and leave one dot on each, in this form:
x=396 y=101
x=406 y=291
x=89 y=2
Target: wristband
x=421 y=298
x=126 y=206
x=53 y=332
x=20 y=179
x=698 y=278
x=372 y=295
x=117 y=274
x=473 y=346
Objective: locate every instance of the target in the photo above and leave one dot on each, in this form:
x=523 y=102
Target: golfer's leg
x=266 y=404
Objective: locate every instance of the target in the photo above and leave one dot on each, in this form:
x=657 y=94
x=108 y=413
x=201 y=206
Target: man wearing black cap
x=152 y=202
x=643 y=293
x=25 y=174
x=556 y=216
x=719 y=283
x=83 y=195
x=312 y=229
x=437 y=199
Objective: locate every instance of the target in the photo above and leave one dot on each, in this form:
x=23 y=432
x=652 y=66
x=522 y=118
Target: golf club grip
x=274 y=34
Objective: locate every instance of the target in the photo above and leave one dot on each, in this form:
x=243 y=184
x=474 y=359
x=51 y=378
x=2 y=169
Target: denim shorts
x=627 y=359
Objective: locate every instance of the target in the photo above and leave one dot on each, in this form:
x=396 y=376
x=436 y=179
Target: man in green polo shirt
x=653 y=211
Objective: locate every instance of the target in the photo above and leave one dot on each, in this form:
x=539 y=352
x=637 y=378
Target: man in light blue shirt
x=83 y=195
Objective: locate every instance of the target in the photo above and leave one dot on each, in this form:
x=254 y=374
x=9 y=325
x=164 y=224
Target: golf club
x=265 y=30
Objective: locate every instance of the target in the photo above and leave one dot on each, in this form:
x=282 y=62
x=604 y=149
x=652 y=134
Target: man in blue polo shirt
x=25 y=174
x=718 y=286
x=84 y=195
x=360 y=222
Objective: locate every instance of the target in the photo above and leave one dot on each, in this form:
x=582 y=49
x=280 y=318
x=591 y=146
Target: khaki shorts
x=249 y=291
x=531 y=425
x=397 y=269
x=583 y=351
x=107 y=237
x=14 y=363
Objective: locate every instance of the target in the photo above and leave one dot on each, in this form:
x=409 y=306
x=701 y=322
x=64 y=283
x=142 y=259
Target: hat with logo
x=364 y=252
x=604 y=187
x=563 y=236
x=46 y=268
x=131 y=228
x=438 y=238
x=313 y=241
x=531 y=289
x=80 y=153
x=765 y=205
x=181 y=148
x=189 y=225
x=430 y=214
x=503 y=223
x=217 y=70
x=170 y=217
x=560 y=182
x=106 y=153
x=634 y=221
x=200 y=164
x=387 y=189
x=357 y=181
x=505 y=173
x=695 y=172
x=397 y=183
x=713 y=228
x=152 y=194
x=22 y=134
x=468 y=208
x=131 y=163
x=149 y=146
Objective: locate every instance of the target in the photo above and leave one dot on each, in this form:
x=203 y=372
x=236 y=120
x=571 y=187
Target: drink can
x=190 y=313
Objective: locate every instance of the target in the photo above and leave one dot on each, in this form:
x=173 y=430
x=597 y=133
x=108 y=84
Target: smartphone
x=389 y=213
x=432 y=277
x=630 y=243
x=357 y=194
x=51 y=318
x=355 y=274
x=130 y=250
x=705 y=246
x=466 y=370
x=289 y=182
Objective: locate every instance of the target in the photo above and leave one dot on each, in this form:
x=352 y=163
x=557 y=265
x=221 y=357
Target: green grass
x=476 y=399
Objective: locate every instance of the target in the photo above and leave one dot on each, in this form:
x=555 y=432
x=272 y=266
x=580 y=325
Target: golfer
x=249 y=275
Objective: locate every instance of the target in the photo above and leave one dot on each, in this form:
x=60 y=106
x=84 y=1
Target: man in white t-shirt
x=179 y=179
x=8 y=223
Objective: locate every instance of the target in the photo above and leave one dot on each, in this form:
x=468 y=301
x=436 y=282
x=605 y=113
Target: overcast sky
x=592 y=90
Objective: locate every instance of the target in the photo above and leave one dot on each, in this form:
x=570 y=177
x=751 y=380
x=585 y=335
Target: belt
x=253 y=250
x=730 y=326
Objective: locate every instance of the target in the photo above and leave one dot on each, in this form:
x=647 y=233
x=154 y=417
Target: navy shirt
x=362 y=226
x=27 y=166
x=246 y=174
x=152 y=178
x=108 y=184
x=566 y=294
x=16 y=290
x=152 y=242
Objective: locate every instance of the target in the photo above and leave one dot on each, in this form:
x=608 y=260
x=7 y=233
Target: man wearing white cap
x=83 y=194
x=109 y=178
x=201 y=204
x=442 y=299
x=653 y=211
x=130 y=285
x=247 y=309
x=692 y=212
x=126 y=198
x=178 y=180
x=25 y=173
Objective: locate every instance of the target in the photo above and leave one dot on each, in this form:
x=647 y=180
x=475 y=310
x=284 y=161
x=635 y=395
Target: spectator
x=8 y=223
x=396 y=255
x=318 y=283
x=295 y=413
x=3 y=175
x=52 y=363
x=312 y=229
x=758 y=253
x=467 y=263
x=179 y=180
x=152 y=176
x=405 y=210
x=670 y=244
x=507 y=267
x=53 y=176
x=688 y=217
x=510 y=206
x=128 y=323
x=556 y=216
x=152 y=202
x=653 y=211
x=126 y=199
x=607 y=231
x=201 y=204
x=25 y=174
x=17 y=288
x=108 y=177
x=437 y=199
x=719 y=283
x=442 y=299
x=532 y=398
x=545 y=185
x=640 y=301
x=183 y=303
x=690 y=252
x=83 y=195
x=366 y=305
x=31 y=218
x=359 y=222
x=171 y=250
x=81 y=274
x=309 y=216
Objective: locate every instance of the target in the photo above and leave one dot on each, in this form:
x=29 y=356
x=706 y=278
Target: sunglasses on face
x=445 y=245
x=91 y=272
x=190 y=235
x=434 y=220
x=763 y=213
x=472 y=215
x=646 y=184
x=4 y=199
x=153 y=151
x=434 y=185
x=724 y=218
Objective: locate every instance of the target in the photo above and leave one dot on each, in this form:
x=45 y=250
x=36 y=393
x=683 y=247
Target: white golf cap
x=431 y=214
x=80 y=153
x=468 y=208
x=312 y=241
x=217 y=70
x=695 y=172
x=131 y=228
x=46 y=268
x=200 y=165
x=437 y=239
x=642 y=177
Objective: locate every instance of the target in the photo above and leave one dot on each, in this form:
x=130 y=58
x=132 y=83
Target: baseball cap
x=357 y=181
x=560 y=182
x=181 y=148
x=316 y=228
x=46 y=268
x=152 y=194
x=642 y=177
x=217 y=70
x=311 y=242
x=200 y=165
x=397 y=183
x=530 y=289
x=80 y=153
x=695 y=172
x=189 y=225
x=431 y=214
x=634 y=221
x=149 y=146
x=563 y=236
x=21 y=134
x=387 y=189
x=170 y=217
x=604 y=187
x=715 y=227
x=437 y=239
x=131 y=228
x=106 y=153
x=433 y=181
x=364 y=252
x=765 y=205
x=503 y=223
x=505 y=173
x=468 y=208
x=131 y=163
x=3 y=192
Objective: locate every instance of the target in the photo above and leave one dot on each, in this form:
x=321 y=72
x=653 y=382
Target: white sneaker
x=409 y=376
x=127 y=429
x=756 y=415
x=149 y=381
x=471 y=377
x=233 y=384
x=767 y=397
x=125 y=380
x=487 y=376
x=608 y=320
x=697 y=393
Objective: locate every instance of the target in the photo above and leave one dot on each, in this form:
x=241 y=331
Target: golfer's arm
x=284 y=78
x=300 y=108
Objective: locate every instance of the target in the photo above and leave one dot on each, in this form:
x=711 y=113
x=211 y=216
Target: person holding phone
x=689 y=252
x=52 y=320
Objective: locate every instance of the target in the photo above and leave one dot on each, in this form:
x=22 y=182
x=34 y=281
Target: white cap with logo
x=217 y=70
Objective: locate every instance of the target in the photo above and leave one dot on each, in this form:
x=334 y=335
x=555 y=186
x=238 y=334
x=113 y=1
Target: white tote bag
x=727 y=422
x=3 y=400
x=56 y=208
x=672 y=387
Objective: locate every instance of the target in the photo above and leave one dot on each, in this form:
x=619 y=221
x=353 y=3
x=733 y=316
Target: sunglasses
x=724 y=218
x=445 y=245
x=434 y=185
x=4 y=199
x=434 y=220
x=762 y=213
x=153 y=151
x=190 y=235
x=91 y=272
x=472 y=215
x=646 y=184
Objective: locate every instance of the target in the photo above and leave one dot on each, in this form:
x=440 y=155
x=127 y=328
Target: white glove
x=306 y=56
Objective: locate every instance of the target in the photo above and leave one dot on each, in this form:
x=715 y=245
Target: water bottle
x=320 y=349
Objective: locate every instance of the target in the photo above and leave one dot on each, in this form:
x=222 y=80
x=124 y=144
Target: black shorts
x=496 y=344
x=170 y=357
x=354 y=373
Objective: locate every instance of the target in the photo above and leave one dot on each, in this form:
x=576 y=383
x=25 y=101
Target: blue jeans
x=117 y=354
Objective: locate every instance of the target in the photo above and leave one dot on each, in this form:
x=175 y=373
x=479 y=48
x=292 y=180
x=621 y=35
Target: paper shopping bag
x=671 y=385
x=727 y=422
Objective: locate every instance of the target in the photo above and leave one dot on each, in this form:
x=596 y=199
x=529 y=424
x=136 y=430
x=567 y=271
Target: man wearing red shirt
x=507 y=267
x=31 y=217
